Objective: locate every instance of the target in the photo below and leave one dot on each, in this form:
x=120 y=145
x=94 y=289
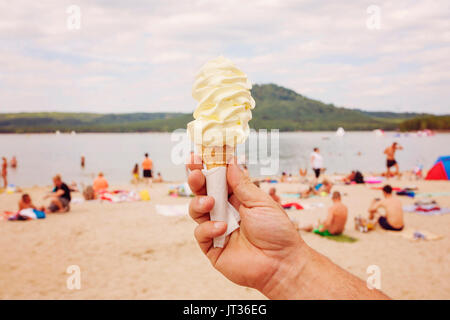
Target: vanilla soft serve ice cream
x=224 y=104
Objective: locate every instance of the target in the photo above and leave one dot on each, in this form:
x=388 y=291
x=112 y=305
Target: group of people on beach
x=390 y=219
x=60 y=198
x=147 y=172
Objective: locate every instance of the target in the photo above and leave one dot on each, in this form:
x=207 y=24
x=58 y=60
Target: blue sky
x=143 y=55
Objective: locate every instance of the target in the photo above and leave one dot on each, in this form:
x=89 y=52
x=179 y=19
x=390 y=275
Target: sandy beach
x=128 y=251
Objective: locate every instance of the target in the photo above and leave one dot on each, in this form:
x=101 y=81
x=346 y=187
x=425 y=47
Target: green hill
x=276 y=108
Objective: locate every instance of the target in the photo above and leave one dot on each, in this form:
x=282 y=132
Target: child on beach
x=158 y=178
x=135 y=173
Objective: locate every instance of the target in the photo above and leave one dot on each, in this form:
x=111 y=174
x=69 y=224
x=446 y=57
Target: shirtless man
x=393 y=217
x=26 y=203
x=336 y=219
x=390 y=158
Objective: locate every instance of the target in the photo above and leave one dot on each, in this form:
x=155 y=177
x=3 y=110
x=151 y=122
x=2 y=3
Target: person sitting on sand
x=100 y=183
x=336 y=219
x=60 y=196
x=316 y=190
x=392 y=219
x=325 y=186
x=25 y=202
x=158 y=178
x=273 y=194
x=311 y=191
x=354 y=177
x=283 y=177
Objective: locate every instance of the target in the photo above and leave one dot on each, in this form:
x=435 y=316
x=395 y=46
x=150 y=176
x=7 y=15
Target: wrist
x=286 y=282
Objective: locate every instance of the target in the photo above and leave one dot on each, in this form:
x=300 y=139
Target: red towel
x=292 y=204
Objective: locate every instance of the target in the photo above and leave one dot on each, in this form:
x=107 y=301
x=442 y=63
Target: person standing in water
x=83 y=162
x=316 y=162
x=147 y=166
x=5 y=172
x=135 y=174
x=13 y=162
x=390 y=159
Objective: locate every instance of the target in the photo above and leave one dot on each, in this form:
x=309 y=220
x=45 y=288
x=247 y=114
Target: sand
x=127 y=251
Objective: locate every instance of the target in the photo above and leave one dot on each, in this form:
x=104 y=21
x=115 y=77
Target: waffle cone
x=214 y=157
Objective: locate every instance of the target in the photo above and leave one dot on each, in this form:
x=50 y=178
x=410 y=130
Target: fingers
x=205 y=232
x=200 y=207
x=245 y=190
x=194 y=162
x=197 y=182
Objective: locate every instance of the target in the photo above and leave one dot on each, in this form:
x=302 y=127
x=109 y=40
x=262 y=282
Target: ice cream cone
x=215 y=156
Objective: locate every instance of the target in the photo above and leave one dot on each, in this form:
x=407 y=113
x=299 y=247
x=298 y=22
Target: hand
x=265 y=251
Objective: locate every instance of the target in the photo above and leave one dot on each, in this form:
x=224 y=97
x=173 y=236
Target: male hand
x=264 y=250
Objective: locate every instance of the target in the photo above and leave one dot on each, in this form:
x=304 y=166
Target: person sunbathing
x=325 y=186
x=336 y=219
x=317 y=189
x=274 y=196
x=392 y=219
x=25 y=202
x=100 y=183
x=158 y=178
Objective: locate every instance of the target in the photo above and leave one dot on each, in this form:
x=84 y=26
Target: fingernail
x=219 y=224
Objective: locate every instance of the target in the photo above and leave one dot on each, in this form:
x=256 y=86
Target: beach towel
x=172 y=210
x=432 y=194
x=338 y=238
x=426 y=209
x=289 y=205
x=117 y=196
x=415 y=234
x=27 y=214
x=406 y=192
x=290 y=195
x=374 y=180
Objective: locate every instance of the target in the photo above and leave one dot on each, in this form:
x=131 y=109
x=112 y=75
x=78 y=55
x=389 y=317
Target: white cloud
x=142 y=55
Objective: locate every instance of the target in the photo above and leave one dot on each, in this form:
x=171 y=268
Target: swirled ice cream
x=224 y=105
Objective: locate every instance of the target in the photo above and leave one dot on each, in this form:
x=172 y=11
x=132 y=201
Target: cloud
x=142 y=55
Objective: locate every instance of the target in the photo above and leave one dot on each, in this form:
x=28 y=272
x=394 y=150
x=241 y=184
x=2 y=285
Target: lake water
x=40 y=156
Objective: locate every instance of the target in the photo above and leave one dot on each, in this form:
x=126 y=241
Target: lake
x=40 y=156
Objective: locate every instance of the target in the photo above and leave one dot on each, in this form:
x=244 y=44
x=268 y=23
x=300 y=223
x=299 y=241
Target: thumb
x=245 y=190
